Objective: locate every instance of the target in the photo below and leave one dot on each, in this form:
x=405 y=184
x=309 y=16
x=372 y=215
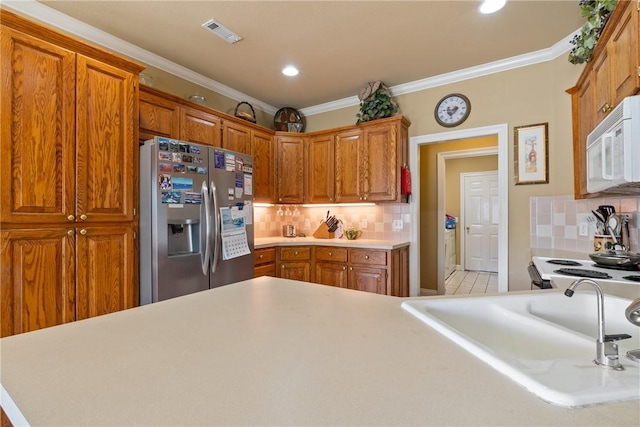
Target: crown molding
x=47 y=15
x=525 y=60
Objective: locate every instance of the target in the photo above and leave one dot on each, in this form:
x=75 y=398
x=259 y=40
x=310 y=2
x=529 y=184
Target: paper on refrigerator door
x=234 y=233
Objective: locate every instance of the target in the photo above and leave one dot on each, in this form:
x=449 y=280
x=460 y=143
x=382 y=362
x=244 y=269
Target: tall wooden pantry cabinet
x=68 y=178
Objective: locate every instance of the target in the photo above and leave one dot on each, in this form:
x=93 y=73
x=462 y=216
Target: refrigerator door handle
x=207 y=224
x=216 y=227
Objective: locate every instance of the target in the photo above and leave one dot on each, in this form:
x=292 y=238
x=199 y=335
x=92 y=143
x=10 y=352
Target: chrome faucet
x=606 y=349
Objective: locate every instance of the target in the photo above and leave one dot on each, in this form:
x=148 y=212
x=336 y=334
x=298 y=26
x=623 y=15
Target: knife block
x=323 y=232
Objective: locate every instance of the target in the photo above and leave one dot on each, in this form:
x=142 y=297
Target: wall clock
x=452 y=110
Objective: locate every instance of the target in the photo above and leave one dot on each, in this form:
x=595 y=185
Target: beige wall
x=429 y=201
x=534 y=94
x=177 y=86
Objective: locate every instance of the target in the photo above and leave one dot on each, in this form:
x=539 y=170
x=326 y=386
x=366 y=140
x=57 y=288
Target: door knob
x=468 y=228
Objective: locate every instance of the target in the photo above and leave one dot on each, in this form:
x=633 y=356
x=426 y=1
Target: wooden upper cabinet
x=236 y=137
x=612 y=74
x=38 y=279
x=348 y=174
x=37 y=130
x=320 y=169
x=200 y=127
x=107 y=149
x=290 y=168
x=625 y=53
x=264 y=176
x=602 y=87
x=106 y=270
x=381 y=158
x=158 y=117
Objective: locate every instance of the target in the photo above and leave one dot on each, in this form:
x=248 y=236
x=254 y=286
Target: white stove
x=554 y=268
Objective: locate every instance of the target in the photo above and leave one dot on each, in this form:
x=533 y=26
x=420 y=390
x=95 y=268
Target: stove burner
x=632 y=278
x=566 y=262
x=617 y=267
x=581 y=272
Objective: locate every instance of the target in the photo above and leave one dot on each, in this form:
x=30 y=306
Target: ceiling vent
x=221 y=31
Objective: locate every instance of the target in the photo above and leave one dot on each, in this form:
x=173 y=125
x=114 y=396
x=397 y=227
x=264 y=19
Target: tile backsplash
x=555 y=221
x=379 y=219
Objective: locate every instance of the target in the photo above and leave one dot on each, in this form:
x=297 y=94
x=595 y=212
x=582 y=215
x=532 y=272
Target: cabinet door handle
x=70 y=232
x=330 y=254
x=344 y=267
x=295 y=253
x=366 y=257
x=350 y=268
x=83 y=232
x=71 y=218
x=606 y=107
x=282 y=266
x=83 y=217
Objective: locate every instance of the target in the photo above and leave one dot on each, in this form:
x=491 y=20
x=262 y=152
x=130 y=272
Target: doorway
x=499 y=131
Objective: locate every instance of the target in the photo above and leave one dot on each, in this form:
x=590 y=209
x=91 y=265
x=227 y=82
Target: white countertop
x=267 y=351
x=264 y=242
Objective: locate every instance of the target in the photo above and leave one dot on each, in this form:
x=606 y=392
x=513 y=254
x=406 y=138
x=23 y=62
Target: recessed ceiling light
x=290 y=71
x=491 y=6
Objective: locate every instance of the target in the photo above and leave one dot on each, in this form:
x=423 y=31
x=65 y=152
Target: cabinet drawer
x=295 y=253
x=325 y=253
x=263 y=256
x=368 y=257
x=265 y=270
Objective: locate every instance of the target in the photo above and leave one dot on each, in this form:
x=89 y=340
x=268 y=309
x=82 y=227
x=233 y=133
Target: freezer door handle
x=216 y=226
x=207 y=232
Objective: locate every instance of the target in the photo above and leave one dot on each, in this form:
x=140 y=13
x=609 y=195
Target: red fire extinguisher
x=405 y=181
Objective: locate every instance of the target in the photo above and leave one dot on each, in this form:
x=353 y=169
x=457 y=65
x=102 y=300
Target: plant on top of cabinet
x=376 y=102
x=597 y=13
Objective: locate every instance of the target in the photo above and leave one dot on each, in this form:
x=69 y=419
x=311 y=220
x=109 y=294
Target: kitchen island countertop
x=267 y=351
x=388 y=244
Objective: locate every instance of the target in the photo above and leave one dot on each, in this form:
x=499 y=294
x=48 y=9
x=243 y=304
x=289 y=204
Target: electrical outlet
x=583 y=229
x=307 y=223
x=364 y=223
x=397 y=224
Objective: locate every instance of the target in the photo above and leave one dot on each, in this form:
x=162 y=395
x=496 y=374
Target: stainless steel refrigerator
x=196 y=218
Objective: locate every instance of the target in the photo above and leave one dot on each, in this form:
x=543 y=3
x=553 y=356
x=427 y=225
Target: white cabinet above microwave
x=613 y=151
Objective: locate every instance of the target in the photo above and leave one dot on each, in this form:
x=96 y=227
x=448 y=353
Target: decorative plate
x=288 y=119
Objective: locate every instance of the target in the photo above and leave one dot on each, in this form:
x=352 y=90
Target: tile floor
x=471 y=282
x=467 y=282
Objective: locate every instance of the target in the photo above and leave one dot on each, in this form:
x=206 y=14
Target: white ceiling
x=338 y=45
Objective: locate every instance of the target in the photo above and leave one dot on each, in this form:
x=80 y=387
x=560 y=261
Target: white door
x=481 y=215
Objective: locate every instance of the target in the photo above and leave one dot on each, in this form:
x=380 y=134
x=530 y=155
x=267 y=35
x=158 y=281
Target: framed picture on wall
x=531 y=154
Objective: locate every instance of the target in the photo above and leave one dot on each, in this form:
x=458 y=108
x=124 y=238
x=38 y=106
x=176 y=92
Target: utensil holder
x=323 y=232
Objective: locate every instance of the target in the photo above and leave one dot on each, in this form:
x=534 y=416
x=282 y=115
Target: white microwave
x=613 y=151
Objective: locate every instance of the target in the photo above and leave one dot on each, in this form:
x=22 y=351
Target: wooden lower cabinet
x=58 y=275
x=294 y=262
x=107 y=275
x=371 y=270
x=331 y=266
x=264 y=262
x=368 y=279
